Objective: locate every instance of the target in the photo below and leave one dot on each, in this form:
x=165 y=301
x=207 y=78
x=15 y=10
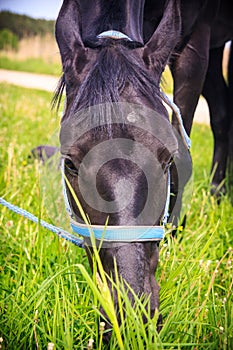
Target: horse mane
x=116 y=68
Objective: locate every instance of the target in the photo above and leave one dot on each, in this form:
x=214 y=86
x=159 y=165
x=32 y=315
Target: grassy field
x=35 y=54
x=34 y=65
x=48 y=294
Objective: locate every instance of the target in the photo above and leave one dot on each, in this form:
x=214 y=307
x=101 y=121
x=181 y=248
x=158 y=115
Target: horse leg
x=215 y=92
x=230 y=134
x=188 y=70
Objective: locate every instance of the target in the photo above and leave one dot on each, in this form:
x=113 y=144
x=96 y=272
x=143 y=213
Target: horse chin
x=136 y=265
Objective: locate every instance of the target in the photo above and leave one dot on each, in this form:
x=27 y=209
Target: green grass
x=32 y=65
x=167 y=82
x=47 y=290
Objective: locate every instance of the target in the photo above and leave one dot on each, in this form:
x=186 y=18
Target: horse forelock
x=118 y=74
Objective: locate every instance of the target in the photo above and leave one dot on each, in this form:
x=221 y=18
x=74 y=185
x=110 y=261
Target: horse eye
x=71 y=167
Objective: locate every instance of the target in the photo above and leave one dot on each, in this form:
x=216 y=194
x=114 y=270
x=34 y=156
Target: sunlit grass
x=32 y=65
x=50 y=295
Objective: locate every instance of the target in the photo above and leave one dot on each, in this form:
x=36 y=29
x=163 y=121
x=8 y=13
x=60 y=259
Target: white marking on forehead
x=133 y=117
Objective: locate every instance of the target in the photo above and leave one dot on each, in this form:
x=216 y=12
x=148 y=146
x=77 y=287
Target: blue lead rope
x=58 y=231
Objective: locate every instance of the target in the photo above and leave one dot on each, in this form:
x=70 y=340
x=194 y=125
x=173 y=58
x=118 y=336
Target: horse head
x=117 y=142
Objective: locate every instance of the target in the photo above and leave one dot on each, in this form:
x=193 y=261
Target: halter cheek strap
x=174 y=107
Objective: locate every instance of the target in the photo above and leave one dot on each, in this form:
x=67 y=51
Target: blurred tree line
x=14 y=27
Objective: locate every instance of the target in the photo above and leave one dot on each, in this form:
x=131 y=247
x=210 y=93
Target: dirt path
x=49 y=82
x=29 y=80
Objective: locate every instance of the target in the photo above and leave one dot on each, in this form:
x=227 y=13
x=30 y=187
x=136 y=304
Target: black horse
x=197 y=69
x=117 y=142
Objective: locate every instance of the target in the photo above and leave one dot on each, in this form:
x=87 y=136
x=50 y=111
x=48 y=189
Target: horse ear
x=158 y=49
x=67 y=31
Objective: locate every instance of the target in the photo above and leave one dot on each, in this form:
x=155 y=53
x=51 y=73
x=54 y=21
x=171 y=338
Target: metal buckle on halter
x=113 y=34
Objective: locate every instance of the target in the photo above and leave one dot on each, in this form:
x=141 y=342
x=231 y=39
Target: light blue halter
x=126 y=233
